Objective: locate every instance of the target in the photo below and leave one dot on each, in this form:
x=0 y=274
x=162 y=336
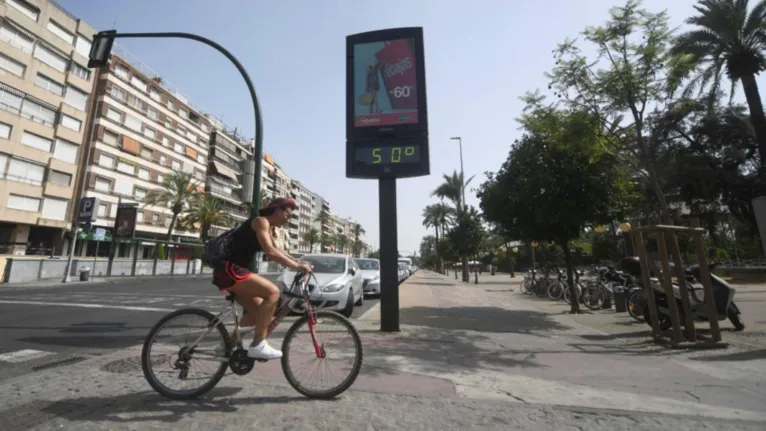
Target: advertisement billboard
x=125 y=224
x=385 y=83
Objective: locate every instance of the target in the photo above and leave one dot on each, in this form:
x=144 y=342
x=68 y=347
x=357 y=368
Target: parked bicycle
x=222 y=353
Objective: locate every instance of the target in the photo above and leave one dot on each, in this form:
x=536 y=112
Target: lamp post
x=462 y=173
x=99 y=57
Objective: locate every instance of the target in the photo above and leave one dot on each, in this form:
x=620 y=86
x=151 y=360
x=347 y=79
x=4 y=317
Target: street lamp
x=462 y=173
x=99 y=57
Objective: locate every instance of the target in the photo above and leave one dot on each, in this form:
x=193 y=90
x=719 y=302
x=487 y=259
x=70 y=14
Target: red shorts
x=227 y=274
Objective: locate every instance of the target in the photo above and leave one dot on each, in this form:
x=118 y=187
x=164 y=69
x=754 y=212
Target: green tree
x=375 y=254
x=341 y=242
x=357 y=244
x=727 y=40
x=206 y=211
x=311 y=237
x=324 y=240
x=447 y=252
x=178 y=190
x=452 y=189
x=632 y=72
x=557 y=180
x=467 y=237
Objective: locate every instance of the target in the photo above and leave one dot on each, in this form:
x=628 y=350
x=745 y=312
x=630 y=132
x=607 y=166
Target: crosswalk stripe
x=23 y=355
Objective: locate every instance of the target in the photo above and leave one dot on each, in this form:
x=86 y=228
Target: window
x=143 y=173
x=38 y=113
x=50 y=57
x=178 y=148
x=26 y=172
x=165 y=141
x=133 y=123
x=122 y=72
x=192 y=137
x=138 y=82
x=163 y=160
x=140 y=194
x=160 y=178
x=114 y=115
x=170 y=104
x=9 y=101
x=3 y=164
x=70 y=122
x=118 y=93
x=201 y=158
x=106 y=161
x=126 y=168
x=124 y=188
x=152 y=113
x=146 y=153
x=155 y=94
x=12 y=66
x=102 y=211
x=135 y=102
x=113 y=211
x=79 y=70
x=82 y=46
x=66 y=151
x=155 y=219
x=181 y=129
x=103 y=185
x=168 y=124
x=110 y=137
x=204 y=127
x=61 y=32
x=183 y=113
x=176 y=165
x=16 y=37
x=60 y=178
x=27 y=9
x=46 y=83
x=76 y=98
x=24 y=203
x=149 y=133
x=35 y=141
x=55 y=209
x=140 y=217
x=199 y=175
x=5 y=131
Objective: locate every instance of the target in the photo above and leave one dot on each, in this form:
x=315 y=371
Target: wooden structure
x=666 y=236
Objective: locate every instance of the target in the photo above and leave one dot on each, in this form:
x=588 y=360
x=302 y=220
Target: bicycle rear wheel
x=593 y=297
x=210 y=352
x=350 y=340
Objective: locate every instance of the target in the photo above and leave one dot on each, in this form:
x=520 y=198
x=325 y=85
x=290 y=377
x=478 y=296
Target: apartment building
x=321 y=206
x=45 y=91
x=143 y=133
x=276 y=183
x=228 y=152
x=304 y=216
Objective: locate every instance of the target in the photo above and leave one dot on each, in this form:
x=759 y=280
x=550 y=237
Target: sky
x=480 y=57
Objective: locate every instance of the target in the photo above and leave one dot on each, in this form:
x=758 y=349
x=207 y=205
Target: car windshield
x=327 y=264
x=368 y=264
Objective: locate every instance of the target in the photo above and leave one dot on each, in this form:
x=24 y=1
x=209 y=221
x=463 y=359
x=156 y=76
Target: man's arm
x=262 y=231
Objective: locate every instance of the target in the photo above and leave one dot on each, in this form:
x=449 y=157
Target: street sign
x=91 y=236
x=100 y=234
x=386 y=113
x=88 y=210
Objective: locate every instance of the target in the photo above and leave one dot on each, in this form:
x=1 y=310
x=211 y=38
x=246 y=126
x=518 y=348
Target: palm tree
x=358 y=244
x=728 y=39
x=178 y=190
x=322 y=218
x=207 y=211
x=429 y=220
x=341 y=241
x=312 y=236
x=452 y=189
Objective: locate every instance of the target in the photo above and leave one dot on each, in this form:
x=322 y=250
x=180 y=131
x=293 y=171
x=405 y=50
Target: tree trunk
x=464 y=263
x=757 y=118
x=436 y=249
x=575 y=306
x=172 y=224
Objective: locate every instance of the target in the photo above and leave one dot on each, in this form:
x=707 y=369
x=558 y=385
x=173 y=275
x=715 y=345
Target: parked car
x=403 y=272
x=370 y=270
x=340 y=282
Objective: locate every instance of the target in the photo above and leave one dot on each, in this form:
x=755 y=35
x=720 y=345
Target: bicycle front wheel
x=347 y=346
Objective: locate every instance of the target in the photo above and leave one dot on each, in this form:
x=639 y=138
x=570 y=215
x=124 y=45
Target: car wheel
x=360 y=302
x=349 y=309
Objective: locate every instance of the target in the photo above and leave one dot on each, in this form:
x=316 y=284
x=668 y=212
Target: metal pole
x=258 y=156
x=462 y=173
x=76 y=222
x=389 y=277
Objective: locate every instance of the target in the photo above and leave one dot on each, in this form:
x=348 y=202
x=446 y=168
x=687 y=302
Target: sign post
x=386 y=133
x=87 y=213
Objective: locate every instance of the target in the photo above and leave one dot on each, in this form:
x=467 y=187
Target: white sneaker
x=263 y=350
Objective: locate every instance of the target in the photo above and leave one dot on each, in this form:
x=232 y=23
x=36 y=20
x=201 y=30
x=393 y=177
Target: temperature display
x=387 y=155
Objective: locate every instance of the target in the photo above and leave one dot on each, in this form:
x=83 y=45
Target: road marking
x=23 y=355
x=370 y=311
x=81 y=305
x=165 y=295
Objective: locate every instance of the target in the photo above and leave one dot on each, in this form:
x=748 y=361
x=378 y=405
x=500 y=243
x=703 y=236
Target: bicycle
x=237 y=360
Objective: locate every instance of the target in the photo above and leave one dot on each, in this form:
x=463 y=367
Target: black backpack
x=218 y=248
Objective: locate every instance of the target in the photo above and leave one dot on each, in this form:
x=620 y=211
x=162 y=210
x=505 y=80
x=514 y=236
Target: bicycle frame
x=282 y=312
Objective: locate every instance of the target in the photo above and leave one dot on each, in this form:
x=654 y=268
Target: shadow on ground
x=481 y=319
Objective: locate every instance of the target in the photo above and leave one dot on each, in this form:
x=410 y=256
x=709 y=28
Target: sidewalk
x=469 y=356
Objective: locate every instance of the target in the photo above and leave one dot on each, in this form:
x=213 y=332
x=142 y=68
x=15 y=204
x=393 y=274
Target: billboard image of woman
x=395 y=101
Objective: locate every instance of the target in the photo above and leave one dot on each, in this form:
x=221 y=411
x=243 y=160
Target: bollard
x=620 y=305
x=156 y=256
x=172 y=253
x=135 y=260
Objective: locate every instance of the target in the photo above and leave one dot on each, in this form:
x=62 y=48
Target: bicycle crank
x=240 y=363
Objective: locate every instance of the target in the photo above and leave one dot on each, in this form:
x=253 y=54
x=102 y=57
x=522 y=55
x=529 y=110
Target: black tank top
x=244 y=245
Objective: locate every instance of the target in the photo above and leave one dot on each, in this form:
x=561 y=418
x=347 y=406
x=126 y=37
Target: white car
x=370 y=270
x=403 y=272
x=340 y=282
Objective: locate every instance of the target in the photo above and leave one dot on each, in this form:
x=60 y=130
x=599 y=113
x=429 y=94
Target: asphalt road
x=45 y=327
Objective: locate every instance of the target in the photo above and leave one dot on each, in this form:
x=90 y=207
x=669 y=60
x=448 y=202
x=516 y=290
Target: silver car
x=370 y=270
x=340 y=282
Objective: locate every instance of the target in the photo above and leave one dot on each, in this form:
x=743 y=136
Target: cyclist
x=257 y=295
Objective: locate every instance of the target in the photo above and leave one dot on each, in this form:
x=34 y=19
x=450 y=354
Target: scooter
x=723 y=297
